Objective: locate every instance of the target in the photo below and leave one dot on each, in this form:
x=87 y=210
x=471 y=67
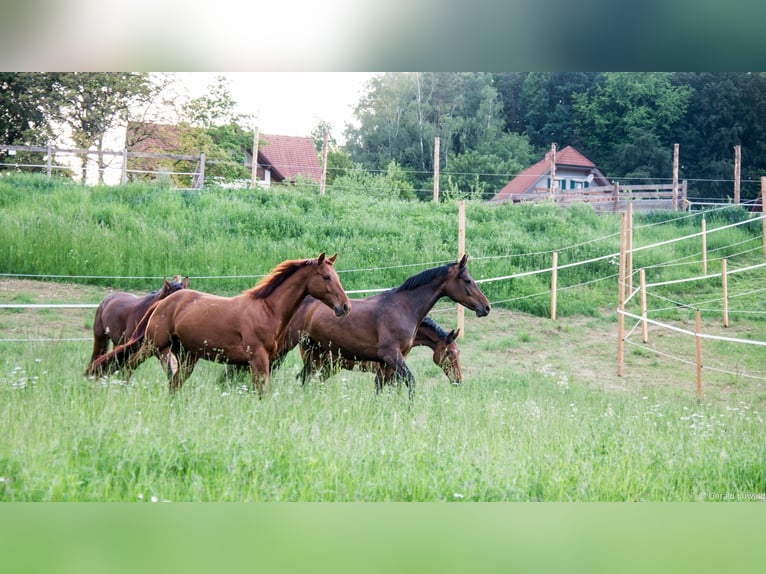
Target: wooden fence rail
x=614 y=197
x=7 y=152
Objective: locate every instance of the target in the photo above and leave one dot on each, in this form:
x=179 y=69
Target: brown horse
x=247 y=329
x=446 y=355
x=118 y=314
x=382 y=327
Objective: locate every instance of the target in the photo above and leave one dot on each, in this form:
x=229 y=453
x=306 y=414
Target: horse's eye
x=326 y=277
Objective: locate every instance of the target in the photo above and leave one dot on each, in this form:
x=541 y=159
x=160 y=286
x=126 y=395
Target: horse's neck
x=426 y=336
x=420 y=300
x=284 y=301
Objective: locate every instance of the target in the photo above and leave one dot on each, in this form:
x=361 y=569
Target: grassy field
x=541 y=415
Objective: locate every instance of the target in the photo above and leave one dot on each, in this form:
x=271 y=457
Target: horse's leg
x=183 y=372
x=100 y=337
x=402 y=371
x=384 y=375
x=309 y=353
x=259 y=371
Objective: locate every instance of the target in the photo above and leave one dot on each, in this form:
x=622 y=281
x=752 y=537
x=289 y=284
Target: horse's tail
x=116 y=359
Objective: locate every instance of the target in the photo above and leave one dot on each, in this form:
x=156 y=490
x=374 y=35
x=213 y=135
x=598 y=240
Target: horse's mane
x=422 y=278
x=276 y=277
x=440 y=331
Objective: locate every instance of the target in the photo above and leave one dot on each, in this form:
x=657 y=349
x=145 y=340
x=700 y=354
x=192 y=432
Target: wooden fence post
x=616 y=194
x=49 y=161
x=436 y=169
x=201 y=174
x=629 y=250
x=737 y=171
x=704 y=246
x=124 y=172
x=621 y=298
x=698 y=342
x=763 y=213
x=460 y=253
x=675 y=177
x=554 y=280
x=725 y=284
x=644 y=324
x=324 y=166
x=254 y=166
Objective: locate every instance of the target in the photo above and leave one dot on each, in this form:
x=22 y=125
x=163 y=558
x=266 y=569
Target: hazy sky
x=288 y=103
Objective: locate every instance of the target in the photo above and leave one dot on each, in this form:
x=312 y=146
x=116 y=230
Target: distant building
x=281 y=159
x=573 y=171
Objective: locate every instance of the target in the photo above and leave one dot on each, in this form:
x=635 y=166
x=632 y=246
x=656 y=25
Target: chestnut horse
x=446 y=355
x=118 y=314
x=247 y=329
x=382 y=327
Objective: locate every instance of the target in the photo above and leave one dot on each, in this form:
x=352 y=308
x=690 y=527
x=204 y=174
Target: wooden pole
x=725 y=283
x=616 y=193
x=552 y=189
x=737 y=171
x=254 y=167
x=554 y=280
x=763 y=213
x=675 y=177
x=201 y=174
x=621 y=298
x=629 y=250
x=324 y=166
x=49 y=161
x=698 y=331
x=704 y=247
x=124 y=174
x=460 y=253
x=436 y=169
x=644 y=324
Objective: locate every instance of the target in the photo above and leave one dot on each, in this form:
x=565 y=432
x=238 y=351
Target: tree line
x=490 y=125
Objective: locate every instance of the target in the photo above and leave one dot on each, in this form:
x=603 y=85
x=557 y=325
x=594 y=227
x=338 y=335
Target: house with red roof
x=285 y=158
x=572 y=171
x=281 y=159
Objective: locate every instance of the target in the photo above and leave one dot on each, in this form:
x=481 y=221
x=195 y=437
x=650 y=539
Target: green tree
x=212 y=125
x=547 y=103
x=627 y=124
x=92 y=103
x=21 y=118
x=401 y=114
x=480 y=173
x=726 y=109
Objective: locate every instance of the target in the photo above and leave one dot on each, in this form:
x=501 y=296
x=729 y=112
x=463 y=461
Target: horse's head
x=461 y=287
x=175 y=284
x=447 y=356
x=324 y=285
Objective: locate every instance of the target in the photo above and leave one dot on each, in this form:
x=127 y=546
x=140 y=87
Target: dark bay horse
x=118 y=314
x=382 y=327
x=446 y=355
x=247 y=329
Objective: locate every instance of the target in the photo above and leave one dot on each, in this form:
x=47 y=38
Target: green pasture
x=541 y=416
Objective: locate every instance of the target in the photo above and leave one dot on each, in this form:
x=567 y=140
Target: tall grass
x=510 y=434
x=226 y=239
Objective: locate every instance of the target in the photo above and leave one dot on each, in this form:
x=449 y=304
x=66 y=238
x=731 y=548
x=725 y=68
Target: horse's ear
x=463 y=260
x=167 y=284
x=321 y=258
x=185 y=283
x=331 y=260
x=452 y=335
